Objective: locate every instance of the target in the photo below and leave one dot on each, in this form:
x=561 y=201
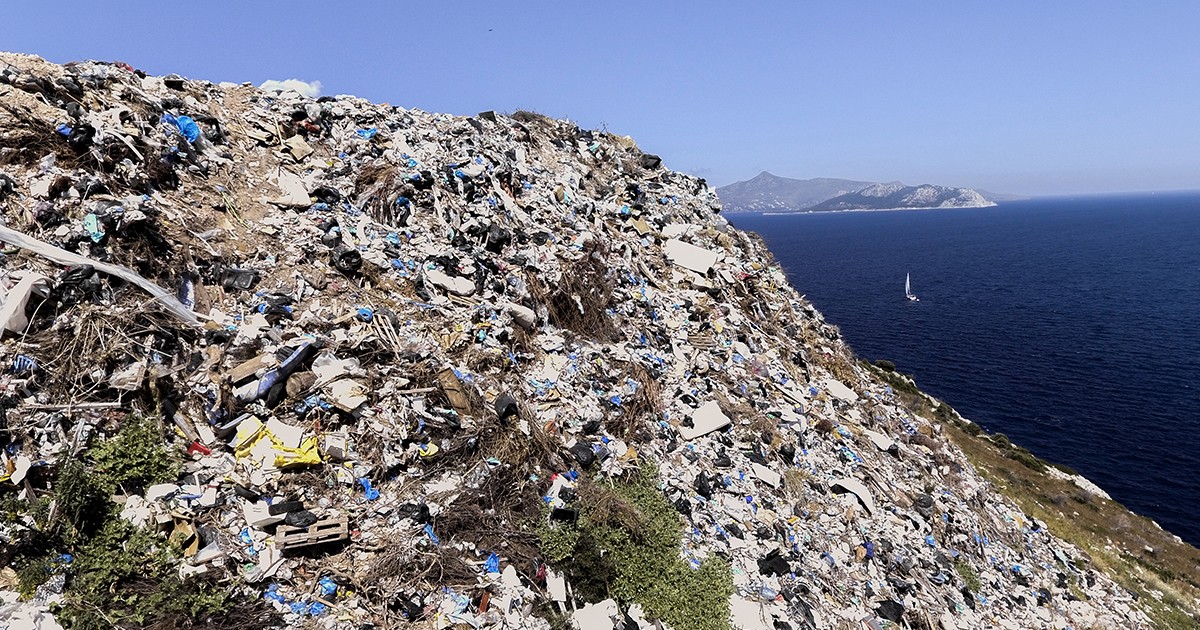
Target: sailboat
x=908 y=289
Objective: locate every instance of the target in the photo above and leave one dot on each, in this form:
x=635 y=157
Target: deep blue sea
x=1070 y=324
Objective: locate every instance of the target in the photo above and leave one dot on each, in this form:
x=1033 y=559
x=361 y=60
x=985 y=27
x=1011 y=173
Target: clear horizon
x=1022 y=98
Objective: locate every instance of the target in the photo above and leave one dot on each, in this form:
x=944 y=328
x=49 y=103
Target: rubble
x=394 y=352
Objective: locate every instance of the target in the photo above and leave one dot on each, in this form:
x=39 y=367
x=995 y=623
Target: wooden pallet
x=319 y=533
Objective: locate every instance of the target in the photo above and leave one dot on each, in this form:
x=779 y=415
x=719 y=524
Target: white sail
x=908 y=288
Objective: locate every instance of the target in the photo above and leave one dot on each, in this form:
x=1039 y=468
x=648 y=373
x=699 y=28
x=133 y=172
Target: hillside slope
x=277 y=361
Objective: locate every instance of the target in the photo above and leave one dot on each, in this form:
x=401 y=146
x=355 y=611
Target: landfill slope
x=391 y=354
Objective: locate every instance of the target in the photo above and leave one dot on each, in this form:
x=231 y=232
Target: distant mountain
x=770 y=193
x=897 y=195
x=991 y=196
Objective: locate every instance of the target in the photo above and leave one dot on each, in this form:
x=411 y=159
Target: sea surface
x=1070 y=324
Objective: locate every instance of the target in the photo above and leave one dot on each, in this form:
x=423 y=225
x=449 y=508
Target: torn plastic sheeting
x=14 y=300
x=858 y=489
x=689 y=256
x=64 y=257
x=256 y=442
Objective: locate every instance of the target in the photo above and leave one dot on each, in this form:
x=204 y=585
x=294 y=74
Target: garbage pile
x=382 y=355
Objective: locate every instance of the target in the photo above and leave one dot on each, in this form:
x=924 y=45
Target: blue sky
x=1024 y=97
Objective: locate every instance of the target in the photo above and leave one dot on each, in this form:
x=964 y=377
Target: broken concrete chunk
x=258 y=514
x=556 y=585
x=705 y=420
x=20 y=469
x=287 y=435
x=767 y=475
x=838 y=390
x=598 y=616
x=298 y=148
x=749 y=615
x=858 y=489
x=347 y=394
x=881 y=441
x=689 y=256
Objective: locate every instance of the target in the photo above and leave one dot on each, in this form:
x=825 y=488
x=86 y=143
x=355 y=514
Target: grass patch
x=127 y=577
x=626 y=545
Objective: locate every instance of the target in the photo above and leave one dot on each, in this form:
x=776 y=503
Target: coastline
x=808 y=212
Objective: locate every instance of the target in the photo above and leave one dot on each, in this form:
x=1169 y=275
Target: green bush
x=81 y=500
x=136 y=457
x=1027 y=459
x=118 y=576
x=885 y=365
x=1001 y=440
x=969 y=576
x=626 y=545
x=126 y=576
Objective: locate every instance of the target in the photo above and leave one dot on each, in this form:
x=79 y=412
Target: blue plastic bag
x=185 y=125
x=328 y=587
x=369 y=492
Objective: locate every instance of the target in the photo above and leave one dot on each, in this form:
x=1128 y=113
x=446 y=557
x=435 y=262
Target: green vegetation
x=117 y=575
x=136 y=457
x=969 y=575
x=885 y=365
x=626 y=545
x=127 y=576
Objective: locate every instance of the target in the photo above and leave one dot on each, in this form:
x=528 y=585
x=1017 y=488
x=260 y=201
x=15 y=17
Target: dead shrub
x=646 y=403
x=579 y=301
x=607 y=507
